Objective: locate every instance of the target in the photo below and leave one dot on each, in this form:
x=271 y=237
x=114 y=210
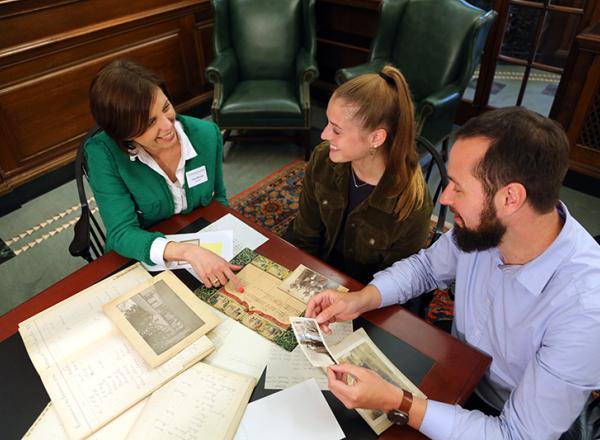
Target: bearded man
x=527 y=289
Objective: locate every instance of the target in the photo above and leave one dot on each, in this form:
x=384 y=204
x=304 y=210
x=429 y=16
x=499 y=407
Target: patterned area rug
x=273 y=203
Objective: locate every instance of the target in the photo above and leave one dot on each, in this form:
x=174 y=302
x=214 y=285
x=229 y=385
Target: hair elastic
x=388 y=79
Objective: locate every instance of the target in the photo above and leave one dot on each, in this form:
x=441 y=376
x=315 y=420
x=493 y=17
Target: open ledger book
x=89 y=369
x=202 y=402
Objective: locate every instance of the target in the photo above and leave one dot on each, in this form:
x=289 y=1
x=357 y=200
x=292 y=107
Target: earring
x=372 y=150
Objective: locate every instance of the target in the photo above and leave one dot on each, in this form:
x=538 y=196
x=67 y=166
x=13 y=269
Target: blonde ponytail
x=377 y=107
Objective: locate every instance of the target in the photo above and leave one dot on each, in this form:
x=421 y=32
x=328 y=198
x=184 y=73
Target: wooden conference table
x=444 y=368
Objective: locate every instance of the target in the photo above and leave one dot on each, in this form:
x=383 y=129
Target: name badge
x=196 y=177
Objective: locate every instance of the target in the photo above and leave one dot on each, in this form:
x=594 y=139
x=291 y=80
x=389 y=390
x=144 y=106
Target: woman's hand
x=211 y=269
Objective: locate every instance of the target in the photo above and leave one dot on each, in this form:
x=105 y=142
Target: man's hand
x=330 y=305
x=212 y=270
x=358 y=387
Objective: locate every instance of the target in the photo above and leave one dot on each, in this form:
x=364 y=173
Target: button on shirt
x=540 y=323
x=177 y=188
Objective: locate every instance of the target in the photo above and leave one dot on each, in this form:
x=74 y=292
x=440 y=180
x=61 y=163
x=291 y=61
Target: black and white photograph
x=304 y=283
x=161 y=317
x=364 y=356
x=311 y=341
x=358 y=349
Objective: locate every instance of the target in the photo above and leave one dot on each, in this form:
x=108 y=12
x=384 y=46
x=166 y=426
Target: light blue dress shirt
x=540 y=323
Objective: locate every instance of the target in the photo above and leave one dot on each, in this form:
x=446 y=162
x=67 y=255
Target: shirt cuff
x=438 y=422
x=157 y=251
x=385 y=285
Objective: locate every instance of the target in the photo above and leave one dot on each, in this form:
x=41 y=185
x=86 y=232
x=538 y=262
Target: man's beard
x=488 y=235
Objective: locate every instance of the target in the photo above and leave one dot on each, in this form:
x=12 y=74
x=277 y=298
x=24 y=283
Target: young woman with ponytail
x=365 y=203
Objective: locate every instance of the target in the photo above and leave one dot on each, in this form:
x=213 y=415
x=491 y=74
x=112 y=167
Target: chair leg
x=87 y=256
x=226 y=134
x=445 y=149
x=306 y=143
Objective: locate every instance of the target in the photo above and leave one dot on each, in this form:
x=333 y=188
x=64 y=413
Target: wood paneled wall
x=345 y=29
x=577 y=102
x=51 y=49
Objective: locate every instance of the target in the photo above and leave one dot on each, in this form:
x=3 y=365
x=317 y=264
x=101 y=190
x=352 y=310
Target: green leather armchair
x=436 y=44
x=263 y=66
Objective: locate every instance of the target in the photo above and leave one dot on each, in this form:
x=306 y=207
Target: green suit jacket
x=373 y=236
x=131 y=196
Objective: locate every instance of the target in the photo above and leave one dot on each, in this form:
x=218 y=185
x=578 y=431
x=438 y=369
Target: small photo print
x=311 y=341
x=304 y=283
x=160 y=317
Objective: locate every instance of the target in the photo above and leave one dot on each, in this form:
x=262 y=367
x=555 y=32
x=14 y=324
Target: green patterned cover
x=284 y=337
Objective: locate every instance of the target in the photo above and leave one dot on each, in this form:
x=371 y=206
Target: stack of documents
x=102 y=388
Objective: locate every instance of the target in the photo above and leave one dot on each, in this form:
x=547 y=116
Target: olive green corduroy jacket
x=131 y=196
x=374 y=238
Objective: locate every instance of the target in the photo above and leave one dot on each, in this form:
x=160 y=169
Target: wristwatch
x=400 y=416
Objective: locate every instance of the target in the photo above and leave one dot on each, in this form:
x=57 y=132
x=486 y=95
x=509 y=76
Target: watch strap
x=407 y=400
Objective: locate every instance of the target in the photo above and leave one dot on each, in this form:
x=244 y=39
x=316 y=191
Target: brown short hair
x=121 y=95
x=384 y=100
x=525 y=147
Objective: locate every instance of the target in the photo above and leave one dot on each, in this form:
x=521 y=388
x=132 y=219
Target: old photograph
x=358 y=349
x=311 y=341
x=304 y=283
x=364 y=356
x=160 y=316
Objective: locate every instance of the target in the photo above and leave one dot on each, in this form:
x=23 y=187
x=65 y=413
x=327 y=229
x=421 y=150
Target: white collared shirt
x=177 y=188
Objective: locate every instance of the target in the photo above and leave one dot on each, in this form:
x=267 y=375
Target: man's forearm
x=371 y=298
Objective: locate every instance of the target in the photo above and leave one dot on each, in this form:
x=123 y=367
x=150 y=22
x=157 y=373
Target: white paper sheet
x=220 y=242
x=90 y=371
x=285 y=369
x=244 y=236
x=238 y=348
x=297 y=413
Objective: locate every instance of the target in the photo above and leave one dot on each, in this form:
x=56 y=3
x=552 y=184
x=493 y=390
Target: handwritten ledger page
x=88 y=368
x=48 y=427
x=203 y=402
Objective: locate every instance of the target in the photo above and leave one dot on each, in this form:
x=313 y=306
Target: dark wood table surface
x=455 y=370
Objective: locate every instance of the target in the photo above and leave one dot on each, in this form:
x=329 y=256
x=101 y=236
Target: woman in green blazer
x=148 y=164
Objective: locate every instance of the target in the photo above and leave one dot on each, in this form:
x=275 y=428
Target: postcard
x=161 y=317
x=312 y=342
x=304 y=283
x=358 y=349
